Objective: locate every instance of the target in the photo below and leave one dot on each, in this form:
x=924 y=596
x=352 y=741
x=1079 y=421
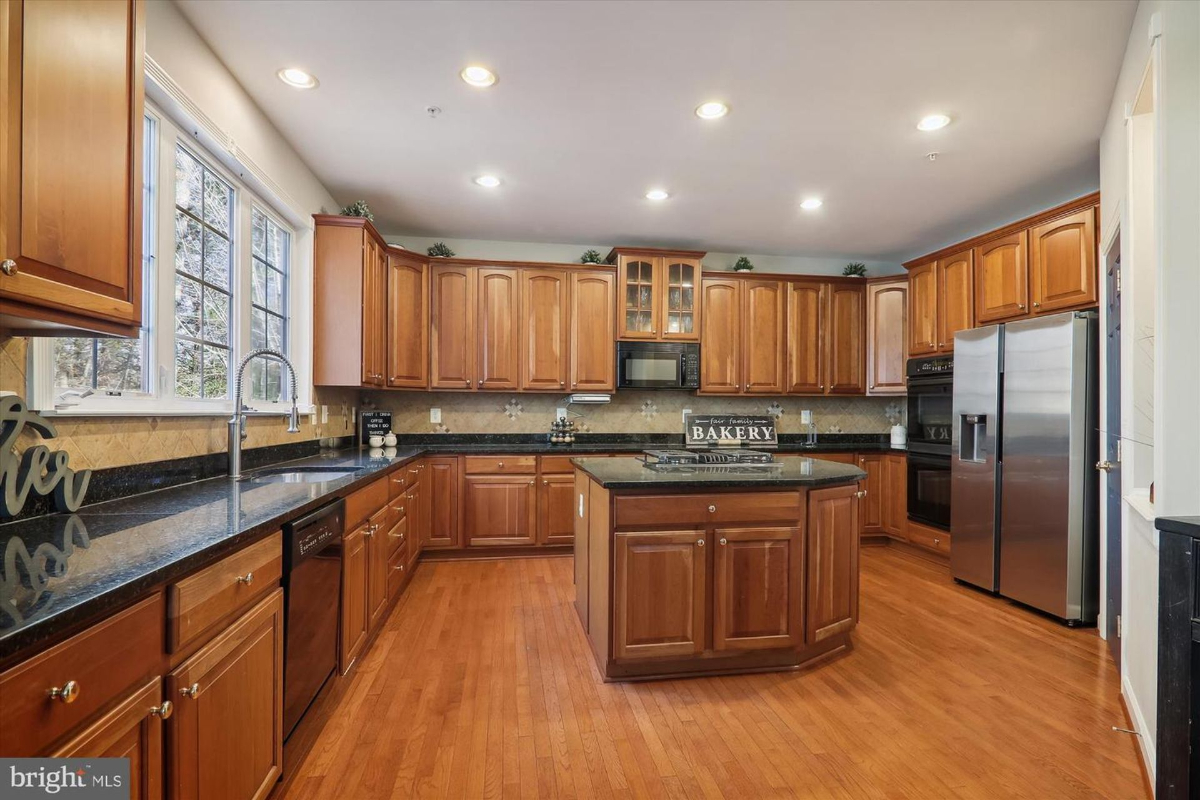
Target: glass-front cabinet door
x=681 y=279
x=659 y=294
x=638 y=280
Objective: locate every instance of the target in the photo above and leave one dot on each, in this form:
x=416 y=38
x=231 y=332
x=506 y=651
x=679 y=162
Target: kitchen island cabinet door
x=498 y=510
x=593 y=332
x=806 y=337
x=659 y=594
x=758 y=588
x=226 y=735
x=544 y=324
x=452 y=333
x=1002 y=279
x=764 y=311
x=555 y=508
x=847 y=342
x=497 y=353
x=922 y=310
x=832 y=562
x=721 y=337
x=1062 y=264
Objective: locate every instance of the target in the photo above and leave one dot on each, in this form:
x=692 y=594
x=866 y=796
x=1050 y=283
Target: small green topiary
x=440 y=250
x=590 y=257
x=856 y=269
x=742 y=265
x=358 y=209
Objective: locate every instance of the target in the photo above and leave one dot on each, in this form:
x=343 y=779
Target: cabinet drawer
x=558 y=465
x=695 y=509
x=398 y=570
x=99 y=664
x=397 y=537
x=930 y=538
x=398 y=508
x=402 y=479
x=215 y=592
x=365 y=502
x=499 y=465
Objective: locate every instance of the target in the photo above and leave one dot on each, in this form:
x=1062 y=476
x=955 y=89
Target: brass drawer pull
x=500 y=464
x=164 y=711
x=247 y=579
x=65 y=693
x=190 y=691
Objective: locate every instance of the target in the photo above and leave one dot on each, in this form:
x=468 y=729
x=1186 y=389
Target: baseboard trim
x=1146 y=741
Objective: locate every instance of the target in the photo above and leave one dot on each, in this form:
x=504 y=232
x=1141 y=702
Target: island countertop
x=632 y=473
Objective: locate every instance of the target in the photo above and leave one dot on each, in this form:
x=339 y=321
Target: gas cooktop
x=729 y=455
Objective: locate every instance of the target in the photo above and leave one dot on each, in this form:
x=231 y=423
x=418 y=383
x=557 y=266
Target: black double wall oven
x=930 y=412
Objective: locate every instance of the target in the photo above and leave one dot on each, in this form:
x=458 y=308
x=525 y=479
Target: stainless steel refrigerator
x=1023 y=486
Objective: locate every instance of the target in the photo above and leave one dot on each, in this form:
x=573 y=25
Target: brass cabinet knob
x=164 y=711
x=1105 y=466
x=190 y=691
x=500 y=464
x=861 y=493
x=1021 y=306
x=562 y=383
x=699 y=543
x=531 y=483
x=545 y=482
x=724 y=541
x=399 y=568
x=8 y=267
x=65 y=693
x=400 y=509
x=1036 y=304
x=936 y=540
x=712 y=509
x=247 y=579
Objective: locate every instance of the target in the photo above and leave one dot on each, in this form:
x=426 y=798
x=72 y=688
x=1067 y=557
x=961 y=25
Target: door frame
x=1111 y=546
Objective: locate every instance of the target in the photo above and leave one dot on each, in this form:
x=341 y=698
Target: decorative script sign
x=730 y=430
x=38 y=469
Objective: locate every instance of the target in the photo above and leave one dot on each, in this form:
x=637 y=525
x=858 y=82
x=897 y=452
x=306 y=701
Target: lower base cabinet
x=226 y=732
x=895 y=495
x=758 y=580
x=556 y=509
x=659 y=597
x=353 y=633
x=832 y=561
x=499 y=510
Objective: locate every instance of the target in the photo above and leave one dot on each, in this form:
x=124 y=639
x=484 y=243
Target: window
x=268 y=303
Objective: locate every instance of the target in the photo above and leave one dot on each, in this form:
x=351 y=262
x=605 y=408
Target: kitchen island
x=699 y=570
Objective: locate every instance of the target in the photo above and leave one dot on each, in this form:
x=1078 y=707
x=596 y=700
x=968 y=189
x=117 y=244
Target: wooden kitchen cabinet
x=955 y=293
x=499 y=510
x=378 y=552
x=871 y=507
x=895 y=495
x=680 y=309
x=452 y=317
x=1002 y=279
x=545 y=310
x=497 y=350
x=441 y=528
x=374 y=317
x=71 y=130
x=764 y=328
x=226 y=735
x=833 y=545
x=721 y=336
x=758 y=588
x=806 y=336
x=355 y=616
x=922 y=310
x=659 y=598
x=658 y=293
x=407 y=321
x=592 y=321
x=1062 y=263
x=847 y=348
x=887 y=337
x=556 y=509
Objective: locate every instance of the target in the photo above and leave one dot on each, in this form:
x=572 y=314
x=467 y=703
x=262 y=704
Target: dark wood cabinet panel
x=764 y=318
x=758 y=588
x=407 y=323
x=1062 y=264
x=441 y=528
x=895 y=495
x=806 y=337
x=355 y=618
x=721 y=336
x=378 y=552
x=544 y=323
x=1001 y=279
x=847 y=346
x=499 y=510
x=593 y=336
x=452 y=343
x=497 y=356
x=887 y=337
x=659 y=594
x=556 y=509
x=832 y=561
x=922 y=310
x=955 y=297
x=871 y=508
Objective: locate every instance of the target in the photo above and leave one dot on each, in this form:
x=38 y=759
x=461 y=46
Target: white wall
x=1176 y=452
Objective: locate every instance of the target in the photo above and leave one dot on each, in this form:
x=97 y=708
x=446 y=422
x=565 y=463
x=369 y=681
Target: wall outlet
x=560 y=413
x=324 y=414
x=435 y=415
x=312 y=418
x=684 y=416
x=806 y=417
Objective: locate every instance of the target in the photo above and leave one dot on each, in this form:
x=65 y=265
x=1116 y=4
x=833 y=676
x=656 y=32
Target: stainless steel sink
x=314 y=474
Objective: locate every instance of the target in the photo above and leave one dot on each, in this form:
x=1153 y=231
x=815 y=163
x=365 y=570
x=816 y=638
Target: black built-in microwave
x=658 y=365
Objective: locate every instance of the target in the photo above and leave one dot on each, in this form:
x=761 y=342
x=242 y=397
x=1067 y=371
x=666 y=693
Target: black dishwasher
x=312 y=582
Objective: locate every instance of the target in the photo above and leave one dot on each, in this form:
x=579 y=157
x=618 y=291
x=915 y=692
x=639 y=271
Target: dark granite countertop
x=632 y=473
x=632 y=443
x=1188 y=526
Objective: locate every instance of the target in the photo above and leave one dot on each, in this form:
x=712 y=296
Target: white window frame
x=160 y=357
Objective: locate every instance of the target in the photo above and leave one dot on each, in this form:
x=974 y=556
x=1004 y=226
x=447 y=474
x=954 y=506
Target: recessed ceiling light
x=490 y=181
x=297 y=78
x=477 y=76
x=713 y=109
x=811 y=203
x=657 y=194
x=933 y=122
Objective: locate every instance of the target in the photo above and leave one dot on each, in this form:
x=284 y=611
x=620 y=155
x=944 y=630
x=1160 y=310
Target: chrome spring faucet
x=237 y=423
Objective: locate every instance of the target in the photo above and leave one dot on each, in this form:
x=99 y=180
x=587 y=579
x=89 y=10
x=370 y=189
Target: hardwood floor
x=482 y=685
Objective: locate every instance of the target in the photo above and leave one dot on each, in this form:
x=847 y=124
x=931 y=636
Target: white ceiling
x=595 y=101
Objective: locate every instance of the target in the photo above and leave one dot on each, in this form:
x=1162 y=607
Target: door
x=680 y=314
x=452 y=331
x=353 y=632
x=955 y=298
x=226 y=735
x=498 y=510
x=895 y=495
x=659 y=597
x=1112 y=455
x=374 y=323
x=593 y=336
x=806 y=338
x=758 y=586
x=764 y=311
x=1001 y=285
x=721 y=337
x=441 y=526
x=132 y=730
x=556 y=521
x=832 y=561
x=639 y=311
x=378 y=553
x=497 y=355
x=407 y=324
x=871 y=508
x=922 y=310
x=847 y=349
x=71 y=189
x=887 y=337
x=545 y=323
x=1062 y=263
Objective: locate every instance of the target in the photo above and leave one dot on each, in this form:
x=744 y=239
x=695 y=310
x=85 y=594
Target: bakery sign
x=730 y=430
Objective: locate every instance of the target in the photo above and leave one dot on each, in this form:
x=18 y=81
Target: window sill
x=1139 y=501
x=171 y=411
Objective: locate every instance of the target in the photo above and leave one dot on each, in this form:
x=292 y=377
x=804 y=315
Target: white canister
x=899 y=436
x=389 y=440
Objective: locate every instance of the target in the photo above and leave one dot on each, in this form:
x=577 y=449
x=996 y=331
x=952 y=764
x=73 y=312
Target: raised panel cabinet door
x=378 y=552
x=887 y=337
x=132 y=730
x=593 y=335
x=680 y=282
x=499 y=510
x=452 y=327
x=956 y=298
x=71 y=109
x=370 y=342
x=764 y=304
x=758 y=588
x=895 y=495
x=1063 y=263
x=441 y=527
x=922 y=310
x=639 y=278
x=871 y=508
x=659 y=594
x=721 y=336
x=832 y=562
x=805 y=346
x=556 y=509
x=847 y=340
x=226 y=735
x=545 y=322
x=497 y=353
x=355 y=620
x=1002 y=279
x=407 y=324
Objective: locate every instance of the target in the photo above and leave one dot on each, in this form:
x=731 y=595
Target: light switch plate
x=324 y=414
x=806 y=417
x=435 y=415
x=560 y=413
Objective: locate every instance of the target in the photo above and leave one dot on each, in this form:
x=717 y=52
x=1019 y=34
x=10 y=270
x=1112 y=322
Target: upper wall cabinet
x=847 y=346
x=955 y=298
x=407 y=321
x=658 y=293
x=887 y=336
x=592 y=324
x=1062 y=264
x=70 y=179
x=1002 y=278
x=545 y=313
